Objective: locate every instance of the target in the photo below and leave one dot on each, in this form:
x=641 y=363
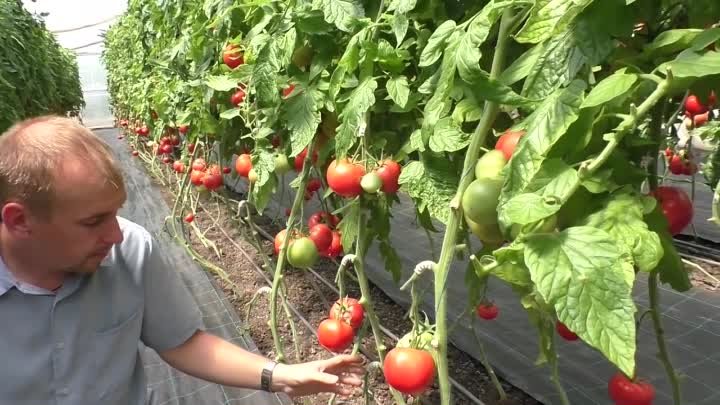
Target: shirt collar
x=7 y=281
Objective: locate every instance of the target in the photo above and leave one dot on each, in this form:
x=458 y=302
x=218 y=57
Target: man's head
x=60 y=190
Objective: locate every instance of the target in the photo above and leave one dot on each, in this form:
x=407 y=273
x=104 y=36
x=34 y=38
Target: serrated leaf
x=411 y=172
x=230 y=114
x=265 y=75
x=512 y=268
x=622 y=218
x=436 y=43
x=392 y=260
x=400 y=26
x=353 y=115
x=440 y=101
x=467 y=110
x=694 y=65
x=347 y=64
x=262 y=193
x=608 y=89
x=302 y=116
x=342 y=13
x=448 y=137
x=398 y=90
x=521 y=66
x=402 y=6
x=578 y=271
x=433 y=190
x=529 y=207
x=486 y=88
x=599 y=182
x=221 y=83
x=312 y=22
x=546 y=126
x=350 y=226
x=548 y=17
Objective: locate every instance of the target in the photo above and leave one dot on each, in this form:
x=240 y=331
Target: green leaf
x=431 y=187
x=353 y=116
x=467 y=110
x=230 y=114
x=493 y=90
x=342 y=13
x=440 y=102
x=545 y=127
x=392 y=260
x=512 y=267
x=671 y=41
x=311 y=22
x=221 y=83
x=694 y=65
x=347 y=64
x=264 y=188
x=400 y=26
x=436 y=43
x=402 y=6
x=611 y=87
x=398 y=90
x=548 y=17
x=599 y=182
x=265 y=75
x=528 y=208
x=622 y=218
x=671 y=268
x=302 y=116
x=350 y=226
x=448 y=137
x=521 y=66
x=705 y=39
x=578 y=271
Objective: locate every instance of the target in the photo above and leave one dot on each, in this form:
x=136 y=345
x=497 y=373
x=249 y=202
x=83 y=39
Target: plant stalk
x=660 y=335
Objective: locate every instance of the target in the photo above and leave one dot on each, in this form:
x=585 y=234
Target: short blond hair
x=33 y=151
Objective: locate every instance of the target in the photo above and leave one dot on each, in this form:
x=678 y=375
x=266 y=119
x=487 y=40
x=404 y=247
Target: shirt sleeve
x=171 y=313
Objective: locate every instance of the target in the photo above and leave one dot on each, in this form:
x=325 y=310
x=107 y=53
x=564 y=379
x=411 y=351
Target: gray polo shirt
x=80 y=346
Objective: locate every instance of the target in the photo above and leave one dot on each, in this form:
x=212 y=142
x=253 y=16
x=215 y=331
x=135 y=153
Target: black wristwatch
x=266 y=376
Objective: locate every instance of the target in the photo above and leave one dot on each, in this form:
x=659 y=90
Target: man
x=80 y=287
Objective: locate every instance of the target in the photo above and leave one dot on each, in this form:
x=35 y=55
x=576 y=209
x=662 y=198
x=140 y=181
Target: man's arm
x=213 y=359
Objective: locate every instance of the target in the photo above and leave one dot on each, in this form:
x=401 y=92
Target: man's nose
x=114 y=234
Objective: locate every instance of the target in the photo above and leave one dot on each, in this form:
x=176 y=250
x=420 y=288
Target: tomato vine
x=536 y=126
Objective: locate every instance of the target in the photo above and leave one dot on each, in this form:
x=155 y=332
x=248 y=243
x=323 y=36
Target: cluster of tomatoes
x=322 y=239
x=337 y=332
x=698 y=113
x=233 y=57
x=349 y=179
x=680 y=163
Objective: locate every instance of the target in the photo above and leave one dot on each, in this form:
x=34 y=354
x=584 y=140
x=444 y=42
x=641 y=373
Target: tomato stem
x=486 y=363
x=660 y=335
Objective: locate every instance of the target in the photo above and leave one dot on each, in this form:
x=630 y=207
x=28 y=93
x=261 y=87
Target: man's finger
x=343 y=360
x=326 y=378
x=353 y=370
x=351 y=380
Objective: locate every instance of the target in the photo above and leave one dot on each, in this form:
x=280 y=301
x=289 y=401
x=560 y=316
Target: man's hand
x=339 y=374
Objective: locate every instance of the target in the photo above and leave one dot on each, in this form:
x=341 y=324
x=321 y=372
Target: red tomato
x=300 y=159
x=694 y=106
x=199 y=164
x=701 y=119
x=165 y=140
x=344 y=178
x=677 y=207
x=690 y=168
x=213 y=179
x=243 y=164
x=179 y=166
x=314 y=185
x=196 y=177
x=191 y=147
x=669 y=152
x=624 y=391
x=487 y=311
x=335 y=335
x=144 y=131
x=335 y=248
x=322 y=217
x=237 y=97
x=410 y=371
x=566 y=333
x=189 y=217
x=677 y=165
x=275 y=141
x=348 y=310
x=287 y=212
x=322 y=236
x=233 y=56
x=135 y=153
x=389 y=172
x=183 y=129
x=507 y=142
x=175 y=140
x=226 y=170
x=167 y=160
x=166 y=149
x=288 y=90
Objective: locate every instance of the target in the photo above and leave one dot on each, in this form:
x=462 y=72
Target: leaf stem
x=447 y=252
x=659 y=335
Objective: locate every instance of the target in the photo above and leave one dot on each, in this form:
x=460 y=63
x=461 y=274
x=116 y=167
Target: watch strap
x=266 y=376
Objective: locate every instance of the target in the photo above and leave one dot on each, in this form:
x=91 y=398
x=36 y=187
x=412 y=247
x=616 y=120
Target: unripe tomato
x=480 y=200
x=408 y=370
x=487 y=233
x=243 y=164
x=389 y=172
x=322 y=236
x=335 y=335
x=371 y=183
x=303 y=253
x=282 y=165
x=624 y=391
x=487 y=311
x=344 y=178
x=490 y=164
x=676 y=206
x=507 y=142
x=252 y=176
x=566 y=333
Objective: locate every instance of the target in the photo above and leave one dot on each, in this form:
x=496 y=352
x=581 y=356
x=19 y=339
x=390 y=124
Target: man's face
x=83 y=226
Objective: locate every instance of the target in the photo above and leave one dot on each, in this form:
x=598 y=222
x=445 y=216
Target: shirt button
x=60 y=345
x=63 y=391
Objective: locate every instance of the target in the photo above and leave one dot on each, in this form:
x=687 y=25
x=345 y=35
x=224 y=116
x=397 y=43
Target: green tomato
x=490 y=164
x=302 y=253
x=480 y=200
x=282 y=165
x=302 y=56
x=371 y=183
x=489 y=234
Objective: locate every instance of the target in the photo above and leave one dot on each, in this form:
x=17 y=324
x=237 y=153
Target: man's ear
x=15 y=218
